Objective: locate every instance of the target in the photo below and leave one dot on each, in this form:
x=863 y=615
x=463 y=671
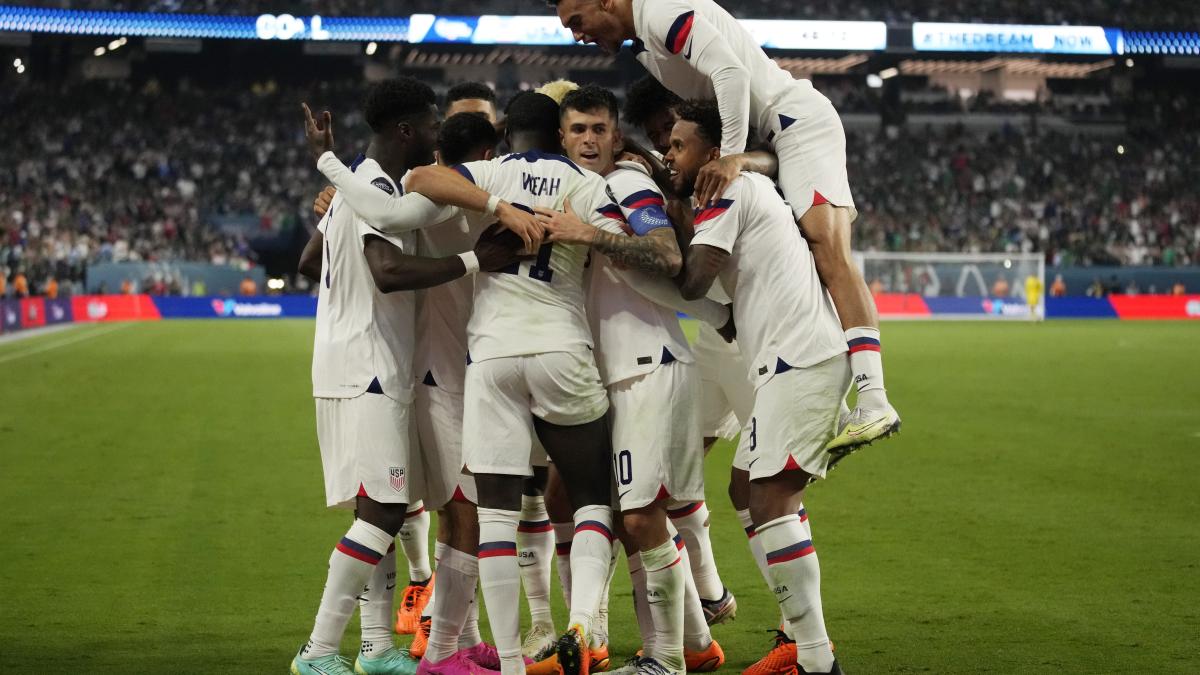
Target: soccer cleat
x=862 y=428
x=486 y=656
x=835 y=670
x=332 y=664
x=539 y=642
x=574 y=655
x=412 y=607
x=650 y=666
x=779 y=661
x=458 y=664
x=392 y=662
x=720 y=610
x=705 y=661
x=421 y=639
x=599 y=658
x=630 y=667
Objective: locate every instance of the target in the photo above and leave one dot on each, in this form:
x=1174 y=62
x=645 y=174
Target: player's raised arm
x=452 y=186
x=394 y=270
x=716 y=176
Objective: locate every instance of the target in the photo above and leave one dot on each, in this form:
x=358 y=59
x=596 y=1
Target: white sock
x=697 y=636
x=599 y=635
x=470 y=633
x=591 y=551
x=692 y=522
x=760 y=556
x=457 y=574
x=414 y=538
x=375 y=606
x=500 y=578
x=637 y=575
x=439 y=551
x=664 y=592
x=564 y=534
x=535 y=547
x=796 y=581
x=350 y=567
x=866 y=362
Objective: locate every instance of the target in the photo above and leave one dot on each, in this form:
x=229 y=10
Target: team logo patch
x=397 y=478
x=384 y=184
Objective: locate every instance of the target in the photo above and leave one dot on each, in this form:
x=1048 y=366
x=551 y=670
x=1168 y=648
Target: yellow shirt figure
x=1033 y=292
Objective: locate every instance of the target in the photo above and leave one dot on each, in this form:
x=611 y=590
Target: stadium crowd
x=1162 y=14
x=110 y=173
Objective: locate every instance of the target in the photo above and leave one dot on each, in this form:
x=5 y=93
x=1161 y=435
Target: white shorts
x=795 y=415
x=503 y=396
x=439 y=416
x=365 y=449
x=727 y=393
x=812 y=156
x=658 y=452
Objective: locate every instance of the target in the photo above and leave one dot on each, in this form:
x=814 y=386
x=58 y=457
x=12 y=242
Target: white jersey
x=536 y=306
x=364 y=338
x=785 y=318
x=634 y=335
x=699 y=51
x=443 y=311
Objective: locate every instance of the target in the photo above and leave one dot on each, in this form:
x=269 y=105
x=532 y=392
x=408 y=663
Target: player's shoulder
x=373 y=172
x=631 y=184
x=544 y=160
x=667 y=22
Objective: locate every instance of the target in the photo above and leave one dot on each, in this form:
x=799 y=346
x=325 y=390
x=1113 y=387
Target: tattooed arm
x=656 y=252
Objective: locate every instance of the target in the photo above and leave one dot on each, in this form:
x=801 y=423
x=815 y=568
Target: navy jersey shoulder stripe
x=677 y=37
x=535 y=156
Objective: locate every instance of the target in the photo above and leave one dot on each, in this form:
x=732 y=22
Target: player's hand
x=521 y=223
x=497 y=249
x=319 y=136
x=729 y=330
x=714 y=178
x=323 y=200
x=631 y=157
x=564 y=227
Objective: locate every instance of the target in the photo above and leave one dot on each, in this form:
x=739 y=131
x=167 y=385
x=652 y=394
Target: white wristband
x=471 y=261
x=492 y=203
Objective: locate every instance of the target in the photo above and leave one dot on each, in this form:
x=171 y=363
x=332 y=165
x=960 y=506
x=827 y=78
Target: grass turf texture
x=163 y=505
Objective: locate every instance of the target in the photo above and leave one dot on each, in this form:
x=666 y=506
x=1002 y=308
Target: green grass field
x=163 y=505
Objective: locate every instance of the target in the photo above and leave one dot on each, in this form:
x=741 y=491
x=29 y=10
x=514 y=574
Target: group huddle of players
x=497 y=340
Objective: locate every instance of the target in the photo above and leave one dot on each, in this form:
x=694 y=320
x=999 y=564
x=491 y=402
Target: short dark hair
x=646 y=97
x=392 y=100
x=470 y=90
x=705 y=115
x=590 y=98
x=531 y=112
x=462 y=133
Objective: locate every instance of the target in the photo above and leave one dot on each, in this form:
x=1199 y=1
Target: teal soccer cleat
x=333 y=664
x=391 y=662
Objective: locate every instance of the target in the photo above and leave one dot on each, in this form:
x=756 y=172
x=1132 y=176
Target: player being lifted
x=699 y=51
x=648 y=368
x=789 y=335
x=362 y=382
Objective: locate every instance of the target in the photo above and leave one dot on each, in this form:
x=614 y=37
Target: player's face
x=658 y=129
x=590 y=23
x=687 y=154
x=590 y=139
x=422 y=136
x=478 y=106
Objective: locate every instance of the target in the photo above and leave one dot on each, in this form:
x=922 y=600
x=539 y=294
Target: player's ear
x=618 y=141
x=714 y=153
x=437 y=157
x=489 y=153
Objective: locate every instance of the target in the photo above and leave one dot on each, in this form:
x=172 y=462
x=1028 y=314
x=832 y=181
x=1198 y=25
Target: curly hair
x=645 y=98
x=463 y=133
x=392 y=100
x=705 y=115
x=590 y=98
x=470 y=90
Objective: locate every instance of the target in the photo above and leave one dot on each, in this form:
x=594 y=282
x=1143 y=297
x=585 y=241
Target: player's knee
x=643 y=527
x=387 y=517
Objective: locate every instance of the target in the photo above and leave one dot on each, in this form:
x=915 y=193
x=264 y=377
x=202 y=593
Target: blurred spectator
x=1058 y=288
x=1000 y=288
x=1178 y=289
x=20 y=285
x=51 y=289
x=248 y=287
x=126 y=287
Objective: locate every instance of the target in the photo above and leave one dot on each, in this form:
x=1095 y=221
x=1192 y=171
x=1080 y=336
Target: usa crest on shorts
x=396 y=478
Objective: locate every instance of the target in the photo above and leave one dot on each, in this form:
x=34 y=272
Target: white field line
x=63 y=343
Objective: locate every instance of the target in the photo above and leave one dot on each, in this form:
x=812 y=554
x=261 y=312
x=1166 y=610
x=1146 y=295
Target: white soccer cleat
x=539 y=643
x=862 y=427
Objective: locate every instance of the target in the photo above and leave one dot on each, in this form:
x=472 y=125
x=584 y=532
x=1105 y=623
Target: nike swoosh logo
x=688 y=55
x=390 y=587
x=622 y=495
x=526 y=565
x=865 y=429
x=752 y=462
x=785 y=599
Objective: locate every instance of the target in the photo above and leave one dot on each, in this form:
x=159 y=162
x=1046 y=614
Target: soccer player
x=362 y=373
x=648 y=368
x=698 y=50
x=789 y=335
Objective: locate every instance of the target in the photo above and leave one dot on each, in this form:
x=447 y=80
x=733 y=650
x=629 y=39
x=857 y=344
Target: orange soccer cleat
x=412 y=607
x=706 y=661
x=781 y=660
x=421 y=639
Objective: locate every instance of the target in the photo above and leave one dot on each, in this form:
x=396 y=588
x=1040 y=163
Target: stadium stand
x=1124 y=13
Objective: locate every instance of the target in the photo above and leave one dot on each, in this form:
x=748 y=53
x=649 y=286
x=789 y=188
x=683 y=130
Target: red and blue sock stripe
x=594 y=526
x=348 y=546
x=803 y=513
x=789 y=553
x=863 y=344
x=493 y=549
x=678 y=543
x=534 y=526
x=562 y=548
